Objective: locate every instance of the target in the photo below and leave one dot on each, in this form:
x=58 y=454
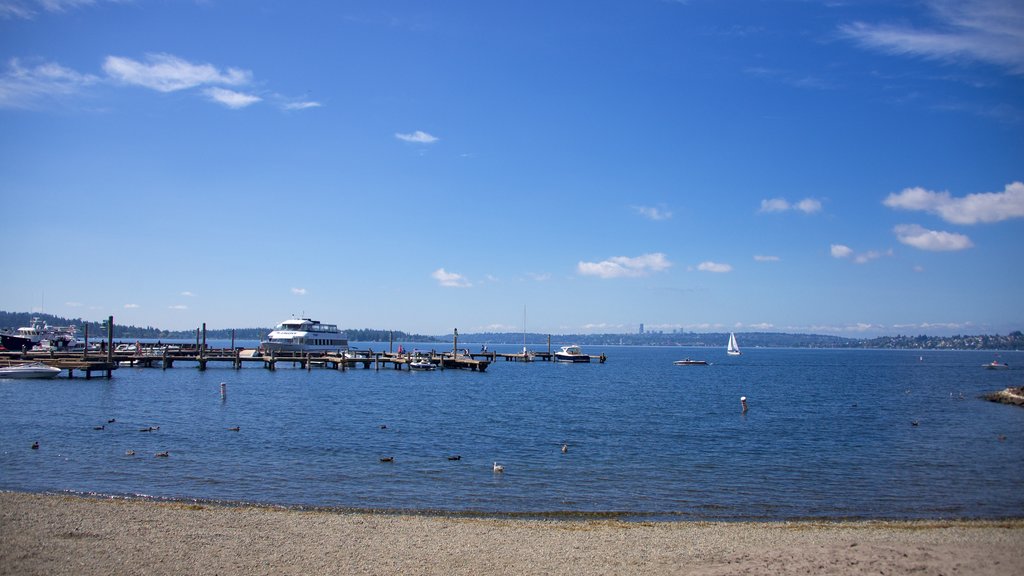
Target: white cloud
x=131 y=306
x=760 y=258
x=26 y=87
x=624 y=266
x=417 y=137
x=714 y=267
x=807 y=205
x=841 y=251
x=301 y=105
x=73 y=304
x=299 y=291
x=230 y=98
x=450 y=279
x=990 y=31
x=865 y=257
x=187 y=293
x=178 y=307
x=774 y=205
x=653 y=213
x=971 y=209
x=167 y=73
x=931 y=240
x=24 y=8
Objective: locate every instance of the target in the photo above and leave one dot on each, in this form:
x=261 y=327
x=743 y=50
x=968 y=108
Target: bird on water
x=498 y=468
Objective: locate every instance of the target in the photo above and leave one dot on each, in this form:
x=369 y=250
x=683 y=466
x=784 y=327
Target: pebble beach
x=60 y=534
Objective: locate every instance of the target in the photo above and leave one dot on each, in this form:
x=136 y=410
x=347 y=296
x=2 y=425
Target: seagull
x=163 y=454
x=234 y=428
x=99 y=427
x=565 y=448
x=129 y=452
x=914 y=422
x=111 y=421
x=498 y=468
x=455 y=457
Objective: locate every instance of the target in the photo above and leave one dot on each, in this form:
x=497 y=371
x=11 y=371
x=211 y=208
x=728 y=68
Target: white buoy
x=743 y=403
x=223 y=389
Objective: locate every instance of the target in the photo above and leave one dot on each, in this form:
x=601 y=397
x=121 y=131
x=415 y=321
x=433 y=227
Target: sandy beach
x=45 y=534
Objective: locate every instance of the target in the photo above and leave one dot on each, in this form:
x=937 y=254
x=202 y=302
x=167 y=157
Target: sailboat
x=732 y=349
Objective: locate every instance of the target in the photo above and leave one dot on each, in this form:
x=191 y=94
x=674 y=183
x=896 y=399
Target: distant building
x=641 y=327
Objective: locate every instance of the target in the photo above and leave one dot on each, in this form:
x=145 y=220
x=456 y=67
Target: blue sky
x=850 y=168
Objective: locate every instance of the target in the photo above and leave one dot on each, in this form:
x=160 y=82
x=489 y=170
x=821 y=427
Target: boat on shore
x=571 y=353
x=732 y=349
x=688 y=362
x=36 y=370
x=305 y=335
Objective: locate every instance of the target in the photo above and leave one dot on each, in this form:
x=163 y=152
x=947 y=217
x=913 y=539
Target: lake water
x=828 y=434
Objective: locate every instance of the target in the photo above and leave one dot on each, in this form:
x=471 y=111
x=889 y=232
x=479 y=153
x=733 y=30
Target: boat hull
x=574 y=358
x=29 y=371
x=690 y=363
x=16 y=343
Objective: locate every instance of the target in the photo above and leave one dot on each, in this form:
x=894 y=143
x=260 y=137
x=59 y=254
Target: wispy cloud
x=931 y=240
x=299 y=291
x=417 y=137
x=131 y=306
x=763 y=258
x=178 y=307
x=841 y=251
x=187 y=293
x=230 y=98
x=971 y=209
x=167 y=73
x=28 y=9
x=990 y=31
x=716 y=267
x=807 y=205
x=305 y=105
x=450 y=279
x=29 y=87
x=625 y=266
x=653 y=212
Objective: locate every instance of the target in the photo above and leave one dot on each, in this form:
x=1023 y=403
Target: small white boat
x=995 y=365
x=421 y=364
x=732 y=349
x=29 y=370
x=571 y=353
x=688 y=362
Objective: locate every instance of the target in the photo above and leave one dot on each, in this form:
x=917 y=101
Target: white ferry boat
x=305 y=335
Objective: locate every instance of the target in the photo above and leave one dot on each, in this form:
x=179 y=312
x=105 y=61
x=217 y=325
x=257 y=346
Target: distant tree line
x=1012 y=341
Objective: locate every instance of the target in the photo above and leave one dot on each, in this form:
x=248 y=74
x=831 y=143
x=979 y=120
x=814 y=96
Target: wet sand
x=45 y=534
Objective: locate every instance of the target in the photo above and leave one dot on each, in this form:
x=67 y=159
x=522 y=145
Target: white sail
x=733 y=349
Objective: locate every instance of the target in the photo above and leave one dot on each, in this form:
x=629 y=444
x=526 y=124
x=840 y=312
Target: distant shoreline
x=48 y=534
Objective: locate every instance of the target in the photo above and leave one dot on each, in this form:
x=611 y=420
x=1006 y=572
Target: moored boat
x=571 y=353
x=688 y=362
x=305 y=335
x=40 y=335
x=29 y=370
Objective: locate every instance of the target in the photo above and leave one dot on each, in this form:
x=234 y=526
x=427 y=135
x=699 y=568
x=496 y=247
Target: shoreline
x=65 y=534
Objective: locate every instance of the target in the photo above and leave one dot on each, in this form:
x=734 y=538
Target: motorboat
x=688 y=362
x=571 y=353
x=422 y=364
x=995 y=365
x=732 y=349
x=29 y=370
x=305 y=335
x=40 y=335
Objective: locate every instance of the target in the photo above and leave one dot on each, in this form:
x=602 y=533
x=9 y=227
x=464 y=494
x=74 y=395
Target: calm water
x=828 y=434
